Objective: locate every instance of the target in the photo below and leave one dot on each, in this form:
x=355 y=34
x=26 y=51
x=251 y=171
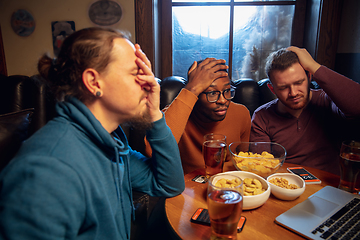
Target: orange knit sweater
x=189 y=131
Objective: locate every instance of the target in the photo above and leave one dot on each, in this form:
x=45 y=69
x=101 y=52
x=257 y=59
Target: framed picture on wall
x=22 y=22
x=105 y=12
x=60 y=30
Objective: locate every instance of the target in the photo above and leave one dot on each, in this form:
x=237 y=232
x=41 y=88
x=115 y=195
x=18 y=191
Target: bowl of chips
x=286 y=186
x=261 y=158
x=256 y=189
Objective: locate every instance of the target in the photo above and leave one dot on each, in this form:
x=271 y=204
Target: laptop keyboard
x=344 y=224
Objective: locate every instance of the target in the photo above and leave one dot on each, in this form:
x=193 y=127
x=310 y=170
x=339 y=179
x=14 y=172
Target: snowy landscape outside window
x=241 y=32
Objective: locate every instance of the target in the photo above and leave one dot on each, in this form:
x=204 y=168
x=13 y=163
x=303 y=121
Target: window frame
x=316 y=27
x=232 y=4
x=296 y=38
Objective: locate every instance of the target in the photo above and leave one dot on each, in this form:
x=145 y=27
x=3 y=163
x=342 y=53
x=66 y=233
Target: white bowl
x=287 y=194
x=255 y=201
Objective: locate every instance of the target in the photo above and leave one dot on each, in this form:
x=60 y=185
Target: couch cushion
x=170 y=88
x=247 y=93
x=13 y=131
x=265 y=93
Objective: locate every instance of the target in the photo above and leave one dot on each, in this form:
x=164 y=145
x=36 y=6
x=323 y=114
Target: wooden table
x=260 y=222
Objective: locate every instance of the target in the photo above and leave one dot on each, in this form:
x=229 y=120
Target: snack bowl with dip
x=253 y=201
x=261 y=158
x=285 y=193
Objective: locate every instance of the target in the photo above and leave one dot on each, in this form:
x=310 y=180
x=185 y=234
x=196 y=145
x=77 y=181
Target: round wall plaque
x=105 y=12
x=22 y=22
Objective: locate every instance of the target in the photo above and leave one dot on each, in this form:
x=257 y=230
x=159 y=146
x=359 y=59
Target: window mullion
x=231 y=39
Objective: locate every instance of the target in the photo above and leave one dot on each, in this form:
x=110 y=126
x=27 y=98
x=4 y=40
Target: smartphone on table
x=308 y=177
x=201 y=216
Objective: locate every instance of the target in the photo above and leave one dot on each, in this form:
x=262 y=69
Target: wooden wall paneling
x=313 y=9
x=144 y=28
x=322 y=30
x=329 y=32
x=166 y=37
x=298 y=27
x=157 y=43
x=3 y=69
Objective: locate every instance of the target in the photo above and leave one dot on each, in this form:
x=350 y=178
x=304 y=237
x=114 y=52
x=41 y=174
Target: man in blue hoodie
x=73 y=179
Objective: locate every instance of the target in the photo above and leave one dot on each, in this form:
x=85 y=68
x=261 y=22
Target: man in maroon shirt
x=310 y=124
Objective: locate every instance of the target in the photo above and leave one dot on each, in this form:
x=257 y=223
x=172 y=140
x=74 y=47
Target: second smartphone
x=201 y=216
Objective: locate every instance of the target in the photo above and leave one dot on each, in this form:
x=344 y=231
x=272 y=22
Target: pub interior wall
x=22 y=53
x=348 y=53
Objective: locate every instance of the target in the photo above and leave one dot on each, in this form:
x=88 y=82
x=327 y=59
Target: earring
x=98 y=93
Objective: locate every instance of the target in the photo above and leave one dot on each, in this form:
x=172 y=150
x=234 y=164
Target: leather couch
x=26 y=105
x=248 y=92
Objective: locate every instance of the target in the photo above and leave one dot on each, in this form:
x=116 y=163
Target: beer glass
x=214 y=153
x=350 y=166
x=225 y=204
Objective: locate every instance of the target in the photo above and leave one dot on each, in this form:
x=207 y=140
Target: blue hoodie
x=73 y=180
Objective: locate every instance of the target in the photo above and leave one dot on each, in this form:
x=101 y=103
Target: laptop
x=318 y=216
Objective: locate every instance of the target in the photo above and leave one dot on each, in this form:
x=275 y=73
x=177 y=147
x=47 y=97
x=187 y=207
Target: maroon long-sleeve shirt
x=314 y=139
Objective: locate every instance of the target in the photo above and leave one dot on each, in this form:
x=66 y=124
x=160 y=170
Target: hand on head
x=147 y=81
x=306 y=61
x=202 y=75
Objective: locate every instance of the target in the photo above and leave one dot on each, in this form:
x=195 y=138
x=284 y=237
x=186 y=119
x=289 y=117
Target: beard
x=142 y=122
x=300 y=105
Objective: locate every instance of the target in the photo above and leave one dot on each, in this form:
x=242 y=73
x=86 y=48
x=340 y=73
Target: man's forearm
x=166 y=160
x=343 y=91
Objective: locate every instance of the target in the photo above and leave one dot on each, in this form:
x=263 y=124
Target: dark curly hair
x=200 y=61
x=86 y=48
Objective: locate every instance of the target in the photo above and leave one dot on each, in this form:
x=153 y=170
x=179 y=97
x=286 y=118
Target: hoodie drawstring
x=119 y=182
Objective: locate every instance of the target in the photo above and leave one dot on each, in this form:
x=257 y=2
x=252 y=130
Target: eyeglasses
x=214 y=96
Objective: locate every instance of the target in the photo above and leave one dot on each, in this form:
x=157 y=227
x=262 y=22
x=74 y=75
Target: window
x=241 y=32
